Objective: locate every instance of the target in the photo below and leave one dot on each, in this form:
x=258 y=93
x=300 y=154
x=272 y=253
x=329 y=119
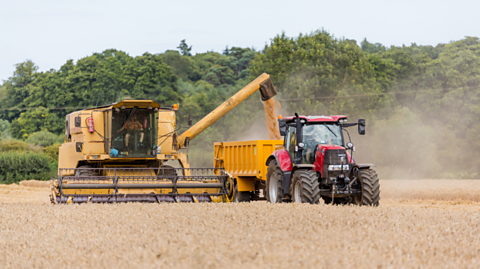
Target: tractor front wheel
x=305 y=187
x=274 y=187
x=370 y=188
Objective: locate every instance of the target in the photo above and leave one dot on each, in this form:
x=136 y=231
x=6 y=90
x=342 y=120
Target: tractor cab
x=316 y=162
x=302 y=142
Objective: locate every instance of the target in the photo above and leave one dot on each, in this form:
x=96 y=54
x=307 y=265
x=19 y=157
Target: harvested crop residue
x=434 y=189
x=32 y=191
x=402 y=233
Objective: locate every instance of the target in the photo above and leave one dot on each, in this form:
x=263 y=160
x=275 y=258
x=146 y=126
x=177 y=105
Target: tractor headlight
x=337 y=167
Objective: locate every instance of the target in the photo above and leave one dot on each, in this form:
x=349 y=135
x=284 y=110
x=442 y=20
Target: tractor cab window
x=134 y=133
x=291 y=141
x=315 y=134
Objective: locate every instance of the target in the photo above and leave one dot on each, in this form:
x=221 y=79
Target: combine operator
x=132 y=125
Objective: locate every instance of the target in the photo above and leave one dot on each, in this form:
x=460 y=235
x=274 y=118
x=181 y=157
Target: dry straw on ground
x=401 y=233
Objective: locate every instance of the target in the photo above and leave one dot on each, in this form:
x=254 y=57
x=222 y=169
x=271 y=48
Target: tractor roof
x=318 y=118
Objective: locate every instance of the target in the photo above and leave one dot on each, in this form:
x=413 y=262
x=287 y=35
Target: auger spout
x=267 y=91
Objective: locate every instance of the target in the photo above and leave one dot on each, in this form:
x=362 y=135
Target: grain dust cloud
x=271 y=109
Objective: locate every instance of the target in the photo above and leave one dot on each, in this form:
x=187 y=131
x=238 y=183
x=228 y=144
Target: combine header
x=119 y=153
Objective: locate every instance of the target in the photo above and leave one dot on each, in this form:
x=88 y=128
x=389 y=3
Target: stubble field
x=419 y=224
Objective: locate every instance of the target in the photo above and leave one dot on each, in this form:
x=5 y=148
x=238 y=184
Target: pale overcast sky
x=51 y=32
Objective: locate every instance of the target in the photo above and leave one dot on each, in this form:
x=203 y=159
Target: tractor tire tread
x=370 y=187
x=273 y=166
x=310 y=187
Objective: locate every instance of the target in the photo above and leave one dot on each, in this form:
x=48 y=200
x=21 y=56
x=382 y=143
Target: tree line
x=420 y=102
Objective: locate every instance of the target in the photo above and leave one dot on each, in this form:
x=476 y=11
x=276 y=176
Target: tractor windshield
x=134 y=133
x=320 y=133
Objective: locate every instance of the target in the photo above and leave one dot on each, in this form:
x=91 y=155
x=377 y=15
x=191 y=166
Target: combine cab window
x=316 y=134
x=134 y=133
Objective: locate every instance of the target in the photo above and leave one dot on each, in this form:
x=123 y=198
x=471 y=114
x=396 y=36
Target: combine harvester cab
x=122 y=153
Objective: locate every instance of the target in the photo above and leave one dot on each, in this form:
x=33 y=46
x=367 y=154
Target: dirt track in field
x=420 y=223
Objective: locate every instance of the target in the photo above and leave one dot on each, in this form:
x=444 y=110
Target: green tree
x=316 y=74
x=35 y=120
x=155 y=80
x=4 y=129
x=43 y=138
x=183 y=66
x=372 y=48
x=184 y=48
x=17 y=88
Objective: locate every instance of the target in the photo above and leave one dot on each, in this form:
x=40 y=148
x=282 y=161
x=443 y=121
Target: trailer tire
x=305 y=187
x=274 y=187
x=370 y=188
x=241 y=196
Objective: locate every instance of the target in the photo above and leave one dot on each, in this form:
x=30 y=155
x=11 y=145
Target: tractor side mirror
x=190 y=120
x=282 y=125
x=361 y=126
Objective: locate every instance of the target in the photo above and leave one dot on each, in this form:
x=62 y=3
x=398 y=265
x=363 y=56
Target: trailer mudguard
x=246 y=184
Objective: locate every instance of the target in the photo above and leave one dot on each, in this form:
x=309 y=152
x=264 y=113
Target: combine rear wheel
x=370 y=188
x=274 y=187
x=304 y=187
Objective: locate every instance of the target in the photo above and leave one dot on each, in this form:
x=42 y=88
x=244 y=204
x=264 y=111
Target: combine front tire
x=305 y=187
x=370 y=188
x=274 y=187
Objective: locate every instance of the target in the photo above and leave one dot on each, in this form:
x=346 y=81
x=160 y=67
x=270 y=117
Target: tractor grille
x=333 y=156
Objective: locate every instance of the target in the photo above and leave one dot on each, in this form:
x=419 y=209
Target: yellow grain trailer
x=244 y=161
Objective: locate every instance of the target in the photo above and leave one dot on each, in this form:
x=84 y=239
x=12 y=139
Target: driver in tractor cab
x=132 y=125
x=310 y=143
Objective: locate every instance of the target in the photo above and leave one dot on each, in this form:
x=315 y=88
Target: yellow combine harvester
x=119 y=153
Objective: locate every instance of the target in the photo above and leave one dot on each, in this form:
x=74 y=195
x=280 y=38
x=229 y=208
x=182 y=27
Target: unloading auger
x=121 y=153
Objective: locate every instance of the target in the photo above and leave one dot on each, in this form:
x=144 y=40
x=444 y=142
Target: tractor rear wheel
x=274 y=187
x=370 y=188
x=305 y=187
x=241 y=196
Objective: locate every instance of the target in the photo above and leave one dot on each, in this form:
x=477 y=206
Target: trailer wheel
x=305 y=187
x=370 y=188
x=241 y=196
x=274 y=187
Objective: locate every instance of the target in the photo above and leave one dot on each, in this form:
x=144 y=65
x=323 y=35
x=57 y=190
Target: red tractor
x=315 y=164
